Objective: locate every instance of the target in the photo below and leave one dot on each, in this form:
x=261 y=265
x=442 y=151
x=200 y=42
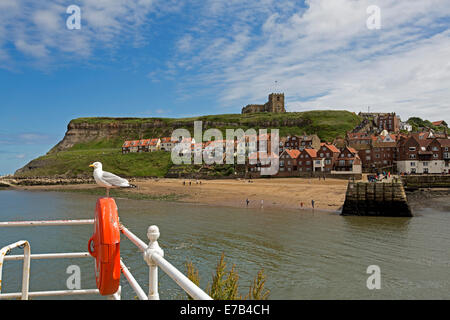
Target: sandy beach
x=280 y=193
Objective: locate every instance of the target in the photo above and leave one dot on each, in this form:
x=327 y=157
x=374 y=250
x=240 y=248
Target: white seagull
x=108 y=180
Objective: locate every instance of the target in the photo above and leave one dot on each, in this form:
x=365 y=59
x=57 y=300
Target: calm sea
x=305 y=255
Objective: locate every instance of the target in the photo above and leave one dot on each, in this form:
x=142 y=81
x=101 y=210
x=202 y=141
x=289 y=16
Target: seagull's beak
x=91 y=165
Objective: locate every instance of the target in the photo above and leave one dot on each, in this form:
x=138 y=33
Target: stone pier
x=376 y=199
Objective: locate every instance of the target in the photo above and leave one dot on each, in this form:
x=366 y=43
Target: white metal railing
x=26 y=265
x=152 y=253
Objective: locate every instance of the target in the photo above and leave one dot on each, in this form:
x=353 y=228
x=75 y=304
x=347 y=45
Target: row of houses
x=148 y=145
x=422 y=152
x=325 y=159
x=425 y=152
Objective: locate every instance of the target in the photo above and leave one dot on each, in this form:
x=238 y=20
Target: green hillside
x=75 y=160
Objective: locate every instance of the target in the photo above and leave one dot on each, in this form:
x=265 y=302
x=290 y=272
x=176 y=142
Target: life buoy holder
x=104 y=246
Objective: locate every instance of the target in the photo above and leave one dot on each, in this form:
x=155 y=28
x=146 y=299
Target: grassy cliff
x=100 y=139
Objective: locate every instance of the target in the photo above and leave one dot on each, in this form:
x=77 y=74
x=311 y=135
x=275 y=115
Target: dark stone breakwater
x=376 y=199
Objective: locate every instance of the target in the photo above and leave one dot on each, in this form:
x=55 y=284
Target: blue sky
x=154 y=58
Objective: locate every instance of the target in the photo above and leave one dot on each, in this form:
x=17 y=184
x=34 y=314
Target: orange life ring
x=106 y=246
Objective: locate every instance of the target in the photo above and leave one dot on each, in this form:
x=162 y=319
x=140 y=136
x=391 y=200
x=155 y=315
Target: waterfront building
x=167 y=144
x=348 y=161
x=288 y=162
x=423 y=153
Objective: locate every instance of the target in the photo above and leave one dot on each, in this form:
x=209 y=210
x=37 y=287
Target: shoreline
x=287 y=193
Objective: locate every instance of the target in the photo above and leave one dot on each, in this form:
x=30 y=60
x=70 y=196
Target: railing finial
x=153 y=249
x=153 y=233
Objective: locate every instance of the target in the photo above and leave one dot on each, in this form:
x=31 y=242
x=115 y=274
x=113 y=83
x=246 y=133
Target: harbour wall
x=413 y=182
x=376 y=199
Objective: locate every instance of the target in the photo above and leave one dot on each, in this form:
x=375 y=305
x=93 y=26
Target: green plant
x=225 y=285
x=257 y=290
x=192 y=274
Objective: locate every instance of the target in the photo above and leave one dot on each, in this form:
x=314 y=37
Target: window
x=425 y=164
x=435 y=155
x=367 y=151
x=281 y=163
x=377 y=156
x=412 y=164
x=289 y=163
x=308 y=163
x=412 y=156
x=328 y=154
x=412 y=148
x=327 y=161
x=368 y=158
x=435 y=149
x=321 y=155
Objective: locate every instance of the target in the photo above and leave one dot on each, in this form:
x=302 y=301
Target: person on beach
x=312 y=203
x=301 y=204
x=262 y=204
x=247 y=202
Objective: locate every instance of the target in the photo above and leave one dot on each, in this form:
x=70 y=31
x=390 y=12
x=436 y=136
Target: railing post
x=153 y=248
x=26 y=265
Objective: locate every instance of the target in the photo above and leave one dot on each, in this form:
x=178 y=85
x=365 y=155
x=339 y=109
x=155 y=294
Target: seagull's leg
x=107 y=192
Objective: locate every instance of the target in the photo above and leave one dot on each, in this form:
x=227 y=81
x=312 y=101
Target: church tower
x=276 y=103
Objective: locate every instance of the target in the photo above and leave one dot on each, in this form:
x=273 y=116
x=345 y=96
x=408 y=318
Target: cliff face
x=122 y=129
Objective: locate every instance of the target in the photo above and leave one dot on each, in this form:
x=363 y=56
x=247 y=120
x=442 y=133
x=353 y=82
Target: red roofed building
x=126 y=147
x=149 y=145
x=134 y=146
x=440 y=123
x=306 y=159
x=423 y=153
x=326 y=156
x=348 y=160
x=167 y=143
x=288 y=162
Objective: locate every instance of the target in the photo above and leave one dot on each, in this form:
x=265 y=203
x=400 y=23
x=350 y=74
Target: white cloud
x=37 y=50
x=323 y=56
x=38 y=29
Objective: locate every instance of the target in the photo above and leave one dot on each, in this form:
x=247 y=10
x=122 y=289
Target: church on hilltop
x=275 y=105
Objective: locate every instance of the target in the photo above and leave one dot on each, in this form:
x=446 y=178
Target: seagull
x=108 y=180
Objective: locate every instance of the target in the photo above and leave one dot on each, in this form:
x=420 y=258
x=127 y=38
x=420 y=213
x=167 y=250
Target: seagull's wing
x=114 y=180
